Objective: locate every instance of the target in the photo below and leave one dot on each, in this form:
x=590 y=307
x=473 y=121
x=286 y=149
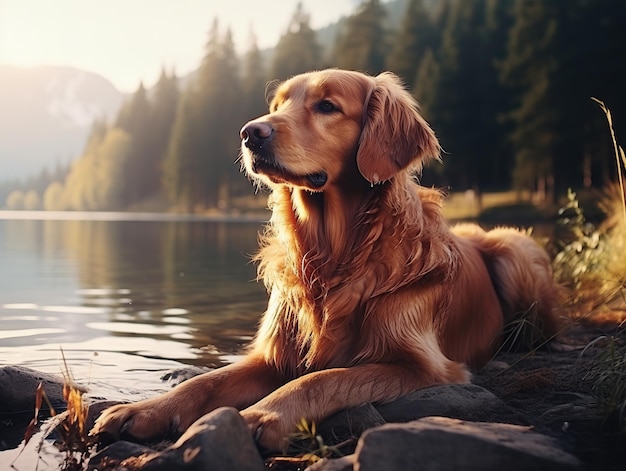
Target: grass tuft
x=70 y=425
x=308 y=447
x=592 y=263
x=524 y=331
x=592 y=260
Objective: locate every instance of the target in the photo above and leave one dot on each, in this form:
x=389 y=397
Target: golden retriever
x=372 y=295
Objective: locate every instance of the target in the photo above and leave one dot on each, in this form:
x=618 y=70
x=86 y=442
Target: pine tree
x=254 y=101
x=186 y=169
x=559 y=55
x=465 y=106
x=529 y=70
x=416 y=35
x=297 y=50
x=426 y=80
x=161 y=122
x=425 y=92
x=230 y=117
x=204 y=142
x=254 y=80
x=362 y=45
x=141 y=172
x=180 y=155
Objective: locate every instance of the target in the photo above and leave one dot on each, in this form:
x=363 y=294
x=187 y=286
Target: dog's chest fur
x=323 y=290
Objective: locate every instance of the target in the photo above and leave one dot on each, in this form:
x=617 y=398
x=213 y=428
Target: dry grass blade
x=617 y=149
x=76 y=408
x=40 y=397
x=70 y=424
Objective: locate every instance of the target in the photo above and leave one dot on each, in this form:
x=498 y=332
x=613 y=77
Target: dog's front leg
x=316 y=396
x=237 y=385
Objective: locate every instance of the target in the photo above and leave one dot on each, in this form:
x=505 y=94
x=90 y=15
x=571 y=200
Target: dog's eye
x=326 y=106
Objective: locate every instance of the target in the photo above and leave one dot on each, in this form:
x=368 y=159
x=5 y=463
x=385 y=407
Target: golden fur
x=372 y=294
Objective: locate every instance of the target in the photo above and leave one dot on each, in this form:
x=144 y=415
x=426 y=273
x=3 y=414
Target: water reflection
x=151 y=289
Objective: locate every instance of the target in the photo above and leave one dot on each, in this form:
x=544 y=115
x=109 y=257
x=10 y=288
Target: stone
x=440 y=443
x=109 y=458
x=458 y=401
x=18 y=389
x=216 y=441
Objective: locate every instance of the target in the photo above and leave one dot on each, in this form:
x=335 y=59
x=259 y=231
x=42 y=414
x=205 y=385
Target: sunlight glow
x=127 y=42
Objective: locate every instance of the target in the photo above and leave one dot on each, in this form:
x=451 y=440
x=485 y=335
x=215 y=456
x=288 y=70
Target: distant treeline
x=506 y=84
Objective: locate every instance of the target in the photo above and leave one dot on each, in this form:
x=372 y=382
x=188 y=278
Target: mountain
x=46 y=113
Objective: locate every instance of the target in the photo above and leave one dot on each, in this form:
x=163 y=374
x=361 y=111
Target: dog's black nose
x=255 y=134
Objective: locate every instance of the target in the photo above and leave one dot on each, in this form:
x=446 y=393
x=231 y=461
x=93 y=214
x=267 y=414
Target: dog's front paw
x=268 y=428
x=142 y=421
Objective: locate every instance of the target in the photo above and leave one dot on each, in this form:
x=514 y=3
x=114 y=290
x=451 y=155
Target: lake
x=125 y=299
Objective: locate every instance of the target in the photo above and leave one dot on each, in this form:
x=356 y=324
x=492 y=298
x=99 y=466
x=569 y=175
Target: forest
x=506 y=84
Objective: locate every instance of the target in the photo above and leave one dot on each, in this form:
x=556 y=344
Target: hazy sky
x=130 y=40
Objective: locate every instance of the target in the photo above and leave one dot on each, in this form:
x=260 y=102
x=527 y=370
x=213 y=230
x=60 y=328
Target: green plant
x=583 y=255
x=308 y=446
x=619 y=154
x=592 y=260
x=524 y=331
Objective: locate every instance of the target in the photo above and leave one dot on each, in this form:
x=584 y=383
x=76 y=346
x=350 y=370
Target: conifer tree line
x=506 y=84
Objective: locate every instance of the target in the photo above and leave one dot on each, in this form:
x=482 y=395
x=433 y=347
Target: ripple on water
x=136 y=328
x=102 y=291
x=20 y=333
x=175 y=311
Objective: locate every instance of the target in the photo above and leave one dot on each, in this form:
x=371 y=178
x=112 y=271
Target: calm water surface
x=125 y=300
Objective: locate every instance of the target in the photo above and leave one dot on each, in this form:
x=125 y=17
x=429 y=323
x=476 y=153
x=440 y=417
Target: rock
x=18 y=388
x=217 y=441
x=350 y=423
x=580 y=408
x=458 y=401
x=439 y=443
x=110 y=457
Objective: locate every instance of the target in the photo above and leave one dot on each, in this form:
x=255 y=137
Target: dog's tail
x=521 y=273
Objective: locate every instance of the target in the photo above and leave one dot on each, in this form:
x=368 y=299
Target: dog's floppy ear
x=394 y=135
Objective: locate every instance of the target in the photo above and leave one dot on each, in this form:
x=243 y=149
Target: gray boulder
x=458 y=401
x=18 y=388
x=216 y=441
x=439 y=443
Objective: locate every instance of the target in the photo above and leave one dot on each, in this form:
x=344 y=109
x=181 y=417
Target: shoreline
x=128 y=216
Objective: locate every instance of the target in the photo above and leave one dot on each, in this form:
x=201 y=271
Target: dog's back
x=521 y=273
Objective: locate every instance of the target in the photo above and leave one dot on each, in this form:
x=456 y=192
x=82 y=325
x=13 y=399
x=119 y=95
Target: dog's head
x=323 y=125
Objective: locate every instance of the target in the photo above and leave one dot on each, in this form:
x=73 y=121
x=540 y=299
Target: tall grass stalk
x=592 y=261
x=618 y=151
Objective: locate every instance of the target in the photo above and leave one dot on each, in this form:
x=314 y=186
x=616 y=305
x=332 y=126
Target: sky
x=128 y=41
